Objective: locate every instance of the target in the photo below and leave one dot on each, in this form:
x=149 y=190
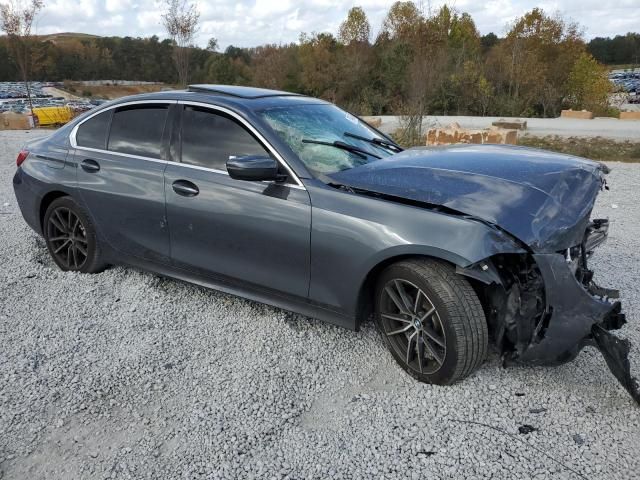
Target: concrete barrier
x=510 y=124
x=629 y=115
x=581 y=114
x=455 y=134
x=375 y=122
x=15 y=121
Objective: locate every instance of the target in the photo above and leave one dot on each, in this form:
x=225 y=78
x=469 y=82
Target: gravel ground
x=127 y=375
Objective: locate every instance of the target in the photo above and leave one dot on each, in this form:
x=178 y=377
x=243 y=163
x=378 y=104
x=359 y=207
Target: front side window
x=138 y=130
x=209 y=139
x=93 y=132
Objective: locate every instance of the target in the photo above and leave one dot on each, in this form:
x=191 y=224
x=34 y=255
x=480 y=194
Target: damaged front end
x=543 y=308
x=543 y=305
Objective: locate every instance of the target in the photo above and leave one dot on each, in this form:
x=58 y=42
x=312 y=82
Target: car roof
x=239 y=92
x=248 y=99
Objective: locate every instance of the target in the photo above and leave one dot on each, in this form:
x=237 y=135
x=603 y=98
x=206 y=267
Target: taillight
x=22 y=156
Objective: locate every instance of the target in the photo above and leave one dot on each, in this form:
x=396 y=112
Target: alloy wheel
x=413 y=326
x=67 y=237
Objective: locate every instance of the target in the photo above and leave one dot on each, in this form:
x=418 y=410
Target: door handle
x=90 y=166
x=185 y=188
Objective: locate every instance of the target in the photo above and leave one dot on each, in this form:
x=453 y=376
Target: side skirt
x=243 y=290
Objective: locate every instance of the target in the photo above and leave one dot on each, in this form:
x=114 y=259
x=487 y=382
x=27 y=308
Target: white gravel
x=127 y=375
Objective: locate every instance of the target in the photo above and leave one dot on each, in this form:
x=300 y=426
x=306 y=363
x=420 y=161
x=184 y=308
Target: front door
x=255 y=232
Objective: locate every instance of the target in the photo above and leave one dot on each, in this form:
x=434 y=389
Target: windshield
x=323 y=136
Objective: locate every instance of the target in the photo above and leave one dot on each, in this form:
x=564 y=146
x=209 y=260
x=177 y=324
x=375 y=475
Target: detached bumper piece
x=616 y=353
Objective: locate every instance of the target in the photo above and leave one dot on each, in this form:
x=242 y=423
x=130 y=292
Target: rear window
x=138 y=130
x=93 y=132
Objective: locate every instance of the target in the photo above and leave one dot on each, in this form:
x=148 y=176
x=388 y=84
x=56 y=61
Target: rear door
x=121 y=157
x=255 y=232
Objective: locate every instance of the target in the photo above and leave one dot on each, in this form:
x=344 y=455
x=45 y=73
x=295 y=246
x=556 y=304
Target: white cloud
x=150 y=20
x=114 y=21
x=269 y=8
x=113 y=6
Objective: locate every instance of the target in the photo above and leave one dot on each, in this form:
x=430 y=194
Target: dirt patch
x=596 y=148
x=111 y=92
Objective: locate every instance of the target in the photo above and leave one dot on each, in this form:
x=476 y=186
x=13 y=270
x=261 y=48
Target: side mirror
x=252 y=168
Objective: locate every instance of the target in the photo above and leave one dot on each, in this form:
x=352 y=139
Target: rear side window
x=93 y=132
x=208 y=139
x=138 y=130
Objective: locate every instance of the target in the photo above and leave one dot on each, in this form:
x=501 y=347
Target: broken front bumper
x=543 y=308
x=571 y=312
x=577 y=315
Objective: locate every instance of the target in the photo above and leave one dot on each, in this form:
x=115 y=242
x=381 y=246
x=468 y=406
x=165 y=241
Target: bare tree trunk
x=181 y=22
x=26 y=63
x=28 y=87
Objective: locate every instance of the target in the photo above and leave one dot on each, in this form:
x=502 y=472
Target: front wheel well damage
x=512 y=293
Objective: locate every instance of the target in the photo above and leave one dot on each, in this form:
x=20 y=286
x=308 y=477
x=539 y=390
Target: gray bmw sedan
x=291 y=201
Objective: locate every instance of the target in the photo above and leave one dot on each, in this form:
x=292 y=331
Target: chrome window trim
x=128 y=155
x=222 y=172
x=247 y=125
x=74 y=131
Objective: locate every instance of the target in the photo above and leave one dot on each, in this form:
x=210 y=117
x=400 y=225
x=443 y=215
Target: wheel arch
x=365 y=298
x=47 y=200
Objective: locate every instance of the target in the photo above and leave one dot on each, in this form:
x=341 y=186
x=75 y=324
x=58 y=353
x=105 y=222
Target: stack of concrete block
x=629 y=115
x=510 y=124
x=456 y=134
x=579 y=114
x=15 y=121
x=375 y=122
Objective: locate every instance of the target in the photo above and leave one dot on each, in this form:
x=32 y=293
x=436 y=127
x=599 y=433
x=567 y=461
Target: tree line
x=419 y=63
x=620 y=50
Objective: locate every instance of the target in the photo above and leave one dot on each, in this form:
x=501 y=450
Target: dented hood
x=542 y=198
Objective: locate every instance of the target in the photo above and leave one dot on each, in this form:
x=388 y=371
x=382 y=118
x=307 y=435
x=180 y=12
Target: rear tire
x=431 y=320
x=71 y=238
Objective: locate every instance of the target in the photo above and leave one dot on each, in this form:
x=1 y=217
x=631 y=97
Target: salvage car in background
x=291 y=201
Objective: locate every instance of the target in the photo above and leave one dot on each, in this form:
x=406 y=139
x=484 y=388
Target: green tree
x=489 y=40
x=402 y=20
x=212 y=44
x=588 y=86
x=355 y=28
x=622 y=49
x=276 y=67
x=318 y=61
x=8 y=69
x=531 y=65
x=232 y=67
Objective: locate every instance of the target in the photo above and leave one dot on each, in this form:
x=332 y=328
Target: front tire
x=431 y=320
x=71 y=238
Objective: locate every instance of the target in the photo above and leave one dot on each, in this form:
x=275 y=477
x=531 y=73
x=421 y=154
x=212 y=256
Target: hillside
x=65 y=37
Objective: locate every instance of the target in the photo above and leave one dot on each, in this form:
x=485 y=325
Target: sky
x=248 y=23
